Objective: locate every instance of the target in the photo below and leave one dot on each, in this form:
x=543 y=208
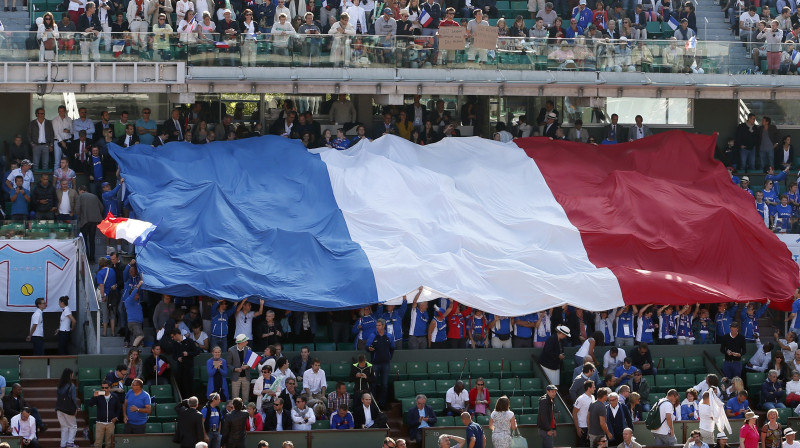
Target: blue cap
x=104 y=184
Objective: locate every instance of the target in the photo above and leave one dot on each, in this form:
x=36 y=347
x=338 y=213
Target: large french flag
x=512 y=228
x=131 y=230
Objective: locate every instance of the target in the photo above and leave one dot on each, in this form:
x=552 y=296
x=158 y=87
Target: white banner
x=30 y=269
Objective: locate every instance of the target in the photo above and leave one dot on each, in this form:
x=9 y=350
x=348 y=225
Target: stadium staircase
x=712 y=26
x=40 y=394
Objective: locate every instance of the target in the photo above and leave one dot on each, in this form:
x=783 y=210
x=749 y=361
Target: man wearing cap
x=582 y=14
x=788 y=435
x=550 y=125
x=386 y=27
x=683 y=32
x=240 y=381
x=546 y=421
x=24 y=170
x=553 y=354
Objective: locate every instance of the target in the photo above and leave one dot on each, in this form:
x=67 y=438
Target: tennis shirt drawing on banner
x=28 y=273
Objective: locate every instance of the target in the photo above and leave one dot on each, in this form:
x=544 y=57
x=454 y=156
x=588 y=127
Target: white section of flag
x=438 y=216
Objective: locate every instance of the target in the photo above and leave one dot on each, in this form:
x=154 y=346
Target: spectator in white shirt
x=36 y=335
x=793 y=390
x=315 y=386
x=613 y=358
x=62 y=129
x=199 y=336
x=302 y=416
x=789 y=345
x=580 y=412
x=761 y=358
x=456 y=398
x=23 y=425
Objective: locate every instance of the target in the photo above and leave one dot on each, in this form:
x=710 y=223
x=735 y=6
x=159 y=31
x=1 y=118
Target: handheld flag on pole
x=131 y=230
x=251 y=359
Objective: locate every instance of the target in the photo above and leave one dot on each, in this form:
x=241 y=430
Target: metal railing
x=89 y=315
x=368 y=51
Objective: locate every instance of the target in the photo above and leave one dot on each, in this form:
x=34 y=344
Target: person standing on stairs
x=67 y=408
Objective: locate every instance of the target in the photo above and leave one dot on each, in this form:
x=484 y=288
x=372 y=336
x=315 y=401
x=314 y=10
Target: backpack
x=654 y=421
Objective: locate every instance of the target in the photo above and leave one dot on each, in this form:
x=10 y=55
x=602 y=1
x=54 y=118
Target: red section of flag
x=665 y=217
x=108 y=226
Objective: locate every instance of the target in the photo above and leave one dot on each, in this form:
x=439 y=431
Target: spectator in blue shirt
x=723 y=319
x=582 y=14
x=20 y=198
x=212 y=420
x=135 y=315
x=625 y=371
x=220 y=313
x=342 y=419
x=474 y=433
x=750 y=318
x=772 y=392
x=418 y=417
x=136 y=409
x=737 y=406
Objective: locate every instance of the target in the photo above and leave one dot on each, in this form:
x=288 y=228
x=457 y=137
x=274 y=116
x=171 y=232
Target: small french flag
x=251 y=359
x=131 y=230
x=161 y=366
x=424 y=18
x=673 y=23
x=691 y=43
x=221 y=45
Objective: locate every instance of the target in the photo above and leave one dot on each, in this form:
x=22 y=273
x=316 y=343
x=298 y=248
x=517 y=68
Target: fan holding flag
x=156 y=367
x=429 y=17
x=238 y=366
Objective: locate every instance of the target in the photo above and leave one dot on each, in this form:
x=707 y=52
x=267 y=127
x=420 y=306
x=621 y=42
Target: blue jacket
x=770 y=393
x=384 y=348
x=219 y=320
x=412 y=420
x=394 y=320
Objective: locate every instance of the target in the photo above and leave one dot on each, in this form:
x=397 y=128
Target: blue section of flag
x=673 y=23
x=424 y=18
x=245 y=218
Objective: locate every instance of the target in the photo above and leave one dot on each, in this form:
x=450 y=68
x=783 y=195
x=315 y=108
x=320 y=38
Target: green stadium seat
x=517 y=403
x=445 y=420
x=437 y=404
x=684 y=381
x=654 y=30
x=290 y=348
x=321 y=424
x=498 y=367
x=493 y=384
x=509 y=385
x=339 y=371
x=482 y=420
x=153 y=428
x=531 y=385
x=673 y=365
x=754 y=380
x=457 y=369
x=398 y=370
x=784 y=414
x=119 y=428
x=521 y=368
x=344 y=346
x=427 y=387
x=161 y=392
x=92 y=412
x=694 y=364
x=406 y=404
x=526 y=419
x=665 y=381
x=437 y=370
x=168 y=427
x=88 y=373
x=416 y=370
x=330 y=386
x=165 y=412
x=88 y=392
x=442 y=386
x=11 y=376
x=479 y=367
x=699 y=378
x=325 y=347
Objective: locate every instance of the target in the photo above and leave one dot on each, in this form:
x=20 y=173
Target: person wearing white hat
x=789 y=442
x=240 y=380
x=722 y=440
x=553 y=354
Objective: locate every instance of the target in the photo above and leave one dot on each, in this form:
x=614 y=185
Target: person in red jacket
x=254 y=420
x=479 y=398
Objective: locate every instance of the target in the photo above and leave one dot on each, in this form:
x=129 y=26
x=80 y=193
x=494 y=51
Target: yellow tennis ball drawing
x=27 y=289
